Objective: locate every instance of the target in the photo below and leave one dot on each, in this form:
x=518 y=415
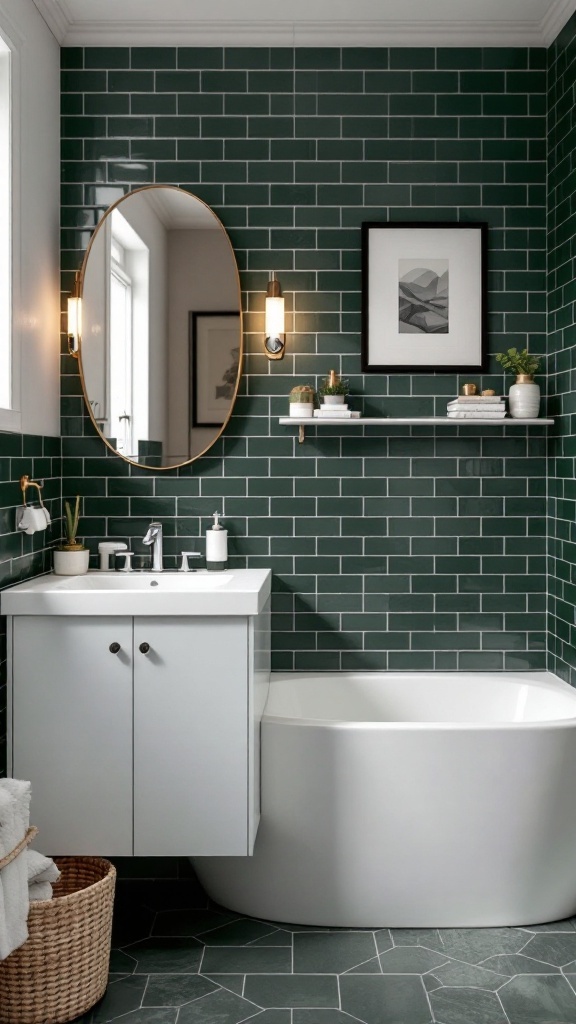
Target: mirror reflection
x=161 y=342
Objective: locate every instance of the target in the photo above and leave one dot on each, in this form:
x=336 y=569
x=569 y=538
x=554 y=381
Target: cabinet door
x=72 y=730
x=191 y=715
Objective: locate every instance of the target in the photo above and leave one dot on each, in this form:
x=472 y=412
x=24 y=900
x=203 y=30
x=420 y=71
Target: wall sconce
x=275 y=340
x=74 y=325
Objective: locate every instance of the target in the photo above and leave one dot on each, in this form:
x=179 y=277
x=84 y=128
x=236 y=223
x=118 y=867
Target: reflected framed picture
x=424 y=297
x=214 y=358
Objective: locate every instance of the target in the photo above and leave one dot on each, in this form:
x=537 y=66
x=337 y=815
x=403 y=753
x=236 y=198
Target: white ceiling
x=306 y=22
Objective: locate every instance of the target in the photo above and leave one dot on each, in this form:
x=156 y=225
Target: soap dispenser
x=216 y=546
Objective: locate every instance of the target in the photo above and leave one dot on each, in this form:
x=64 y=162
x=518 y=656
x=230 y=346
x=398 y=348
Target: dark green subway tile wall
x=562 y=355
x=399 y=548
x=23 y=556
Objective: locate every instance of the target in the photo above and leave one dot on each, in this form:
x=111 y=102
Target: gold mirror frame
x=82 y=274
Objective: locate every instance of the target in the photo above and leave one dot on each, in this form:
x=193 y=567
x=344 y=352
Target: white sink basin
x=237 y=592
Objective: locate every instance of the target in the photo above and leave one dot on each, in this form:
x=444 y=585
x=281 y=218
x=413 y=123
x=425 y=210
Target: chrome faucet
x=153 y=538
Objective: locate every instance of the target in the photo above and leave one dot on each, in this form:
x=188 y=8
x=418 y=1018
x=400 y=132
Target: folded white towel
x=39 y=891
x=41 y=868
x=14 y=902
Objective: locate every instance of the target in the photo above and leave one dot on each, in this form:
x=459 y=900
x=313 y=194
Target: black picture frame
x=214 y=337
x=435 y=322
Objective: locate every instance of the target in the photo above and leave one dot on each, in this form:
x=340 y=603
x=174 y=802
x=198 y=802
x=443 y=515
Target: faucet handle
x=127 y=556
x=185 y=556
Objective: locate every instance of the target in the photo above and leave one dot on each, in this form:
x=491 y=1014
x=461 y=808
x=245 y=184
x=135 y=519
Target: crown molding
x=553 y=22
x=313 y=33
x=56 y=16
x=184 y=32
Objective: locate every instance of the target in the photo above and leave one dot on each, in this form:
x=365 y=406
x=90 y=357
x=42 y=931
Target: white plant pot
x=71 y=563
x=301 y=409
x=524 y=399
x=333 y=399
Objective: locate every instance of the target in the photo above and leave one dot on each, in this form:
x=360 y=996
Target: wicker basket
x=62 y=970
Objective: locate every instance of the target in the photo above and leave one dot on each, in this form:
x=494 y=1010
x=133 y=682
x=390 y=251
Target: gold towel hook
x=25 y=483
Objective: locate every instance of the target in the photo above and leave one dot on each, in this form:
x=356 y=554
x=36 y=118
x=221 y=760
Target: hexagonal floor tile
x=475 y=944
x=539 y=1000
x=176 y=989
x=120 y=998
x=410 y=960
x=165 y=956
x=283 y=990
x=389 y=999
x=518 y=963
x=331 y=952
x=190 y=922
x=247 y=960
x=466 y=1006
x=217 y=1008
x=238 y=933
x=459 y=975
x=150 y=1015
x=555 y=949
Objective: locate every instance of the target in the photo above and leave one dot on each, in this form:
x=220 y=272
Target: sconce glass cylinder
x=275 y=340
x=74 y=323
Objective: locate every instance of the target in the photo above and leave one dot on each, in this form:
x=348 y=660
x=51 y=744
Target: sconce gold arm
x=25 y=483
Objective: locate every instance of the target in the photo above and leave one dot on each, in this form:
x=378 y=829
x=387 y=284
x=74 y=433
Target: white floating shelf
x=406 y=421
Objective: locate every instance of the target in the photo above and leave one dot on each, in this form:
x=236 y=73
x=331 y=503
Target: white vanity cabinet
x=139 y=734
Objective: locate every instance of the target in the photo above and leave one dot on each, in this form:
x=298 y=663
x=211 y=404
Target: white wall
x=35 y=218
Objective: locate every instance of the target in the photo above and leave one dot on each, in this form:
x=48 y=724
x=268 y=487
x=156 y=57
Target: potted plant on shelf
x=334 y=389
x=71 y=558
x=524 y=394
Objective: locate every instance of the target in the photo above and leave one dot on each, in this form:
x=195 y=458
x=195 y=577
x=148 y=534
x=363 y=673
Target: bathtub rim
x=540 y=680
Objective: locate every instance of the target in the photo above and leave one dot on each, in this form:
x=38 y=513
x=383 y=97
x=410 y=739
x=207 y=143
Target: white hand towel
x=41 y=868
x=39 y=891
x=14 y=904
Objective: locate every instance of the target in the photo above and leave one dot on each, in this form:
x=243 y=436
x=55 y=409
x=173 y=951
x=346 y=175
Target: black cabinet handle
x=114 y=648
x=144 y=648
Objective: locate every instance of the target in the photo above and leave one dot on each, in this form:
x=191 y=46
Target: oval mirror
x=161 y=342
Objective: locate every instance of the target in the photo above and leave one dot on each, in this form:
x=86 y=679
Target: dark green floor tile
x=247 y=960
x=176 y=989
x=238 y=933
x=233 y=982
x=466 y=1006
x=331 y=952
x=217 y=1008
x=190 y=922
x=554 y=949
x=533 y=1000
x=412 y=937
x=475 y=944
x=410 y=960
x=292 y=990
x=274 y=1017
x=120 y=998
x=384 y=940
x=368 y=967
x=519 y=963
x=121 y=962
x=466 y=976
x=277 y=938
x=385 y=1000
x=150 y=1015
x=166 y=956
x=318 y=1017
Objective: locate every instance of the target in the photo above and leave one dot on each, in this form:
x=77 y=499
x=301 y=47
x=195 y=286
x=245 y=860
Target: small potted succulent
x=302 y=400
x=71 y=558
x=524 y=394
x=334 y=389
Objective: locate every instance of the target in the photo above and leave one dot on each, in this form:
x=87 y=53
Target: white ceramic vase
x=301 y=409
x=524 y=398
x=71 y=563
x=333 y=399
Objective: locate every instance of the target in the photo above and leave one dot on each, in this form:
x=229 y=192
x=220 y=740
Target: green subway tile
x=239 y=103
x=423 y=172
x=482 y=127
x=139 y=127
x=457 y=105
x=130 y=81
x=153 y=56
x=198 y=103
x=83 y=81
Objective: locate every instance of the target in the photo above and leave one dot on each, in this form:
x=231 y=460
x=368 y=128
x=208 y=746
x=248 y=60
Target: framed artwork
x=214 y=360
x=424 y=298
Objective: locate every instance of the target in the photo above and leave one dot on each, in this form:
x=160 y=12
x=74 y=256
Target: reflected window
x=5 y=233
x=129 y=300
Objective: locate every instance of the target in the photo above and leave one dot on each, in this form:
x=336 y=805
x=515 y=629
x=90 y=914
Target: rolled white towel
x=40 y=868
x=39 y=891
x=14 y=901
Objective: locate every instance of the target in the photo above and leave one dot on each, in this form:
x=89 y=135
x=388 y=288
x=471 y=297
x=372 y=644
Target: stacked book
x=333 y=412
x=477 y=407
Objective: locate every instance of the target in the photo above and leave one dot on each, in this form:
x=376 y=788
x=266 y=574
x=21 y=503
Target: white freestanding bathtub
x=411 y=801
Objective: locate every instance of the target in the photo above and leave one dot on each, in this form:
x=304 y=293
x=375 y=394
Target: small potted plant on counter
x=524 y=395
x=71 y=558
x=334 y=389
